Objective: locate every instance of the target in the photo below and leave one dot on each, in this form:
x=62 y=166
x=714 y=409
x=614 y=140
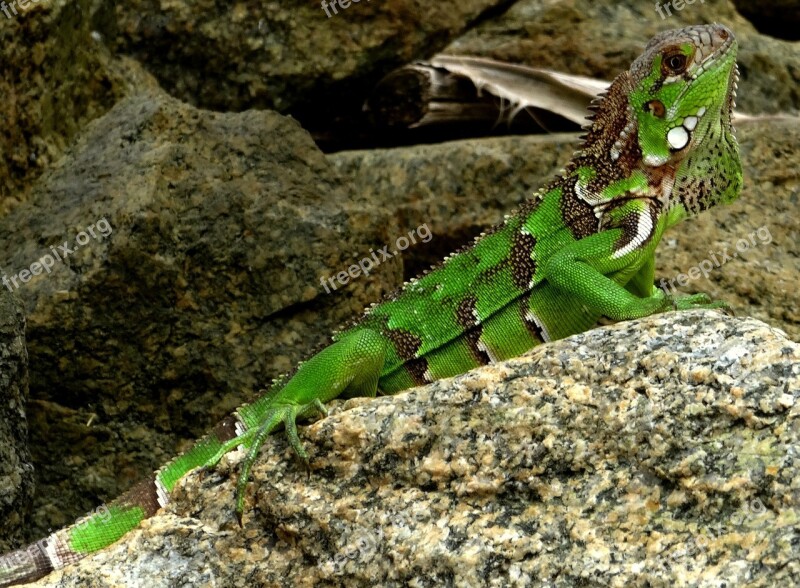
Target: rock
x=280 y=55
x=16 y=471
x=457 y=189
x=201 y=282
x=55 y=76
x=221 y=228
x=602 y=39
x=654 y=452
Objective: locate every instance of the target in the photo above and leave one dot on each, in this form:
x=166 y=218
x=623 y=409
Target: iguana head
x=683 y=89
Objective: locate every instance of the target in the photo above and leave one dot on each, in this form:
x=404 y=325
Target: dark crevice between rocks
x=339 y=120
x=779 y=19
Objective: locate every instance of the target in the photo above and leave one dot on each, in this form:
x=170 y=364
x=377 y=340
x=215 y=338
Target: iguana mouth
x=710 y=57
x=720 y=56
x=659 y=148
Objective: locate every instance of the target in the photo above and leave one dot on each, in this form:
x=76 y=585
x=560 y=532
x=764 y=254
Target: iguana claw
x=287 y=415
x=700 y=301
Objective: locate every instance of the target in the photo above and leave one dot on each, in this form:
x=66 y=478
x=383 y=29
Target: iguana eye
x=675 y=63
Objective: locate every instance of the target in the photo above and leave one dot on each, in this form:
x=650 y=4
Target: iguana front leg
x=642 y=285
x=584 y=267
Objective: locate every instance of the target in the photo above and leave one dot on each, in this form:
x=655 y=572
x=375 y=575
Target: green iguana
x=659 y=147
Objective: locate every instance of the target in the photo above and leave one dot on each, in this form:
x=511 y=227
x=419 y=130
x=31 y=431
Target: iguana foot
x=253 y=439
x=700 y=301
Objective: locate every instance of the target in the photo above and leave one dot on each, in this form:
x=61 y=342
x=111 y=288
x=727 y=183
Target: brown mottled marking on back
x=465 y=313
x=533 y=327
x=226 y=429
x=407 y=345
x=578 y=215
x=468 y=321
x=523 y=266
x=143 y=495
x=630 y=223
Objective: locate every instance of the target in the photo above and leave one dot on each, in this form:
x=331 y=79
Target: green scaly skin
x=660 y=147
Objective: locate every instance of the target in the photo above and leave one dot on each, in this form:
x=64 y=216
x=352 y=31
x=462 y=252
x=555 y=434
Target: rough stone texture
x=460 y=188
x=660 y=452
x=16 y=472
x=54 y=78
x=205 y=286
x=277 y=55
x=600 y=39
x=56 y=73
x=457 y=189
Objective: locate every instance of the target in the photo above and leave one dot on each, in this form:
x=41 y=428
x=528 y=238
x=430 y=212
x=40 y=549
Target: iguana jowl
x=660 y=146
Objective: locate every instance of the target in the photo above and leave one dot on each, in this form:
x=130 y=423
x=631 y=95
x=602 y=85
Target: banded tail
x=111 y=521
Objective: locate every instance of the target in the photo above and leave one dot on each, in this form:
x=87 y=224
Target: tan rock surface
x=656 y=452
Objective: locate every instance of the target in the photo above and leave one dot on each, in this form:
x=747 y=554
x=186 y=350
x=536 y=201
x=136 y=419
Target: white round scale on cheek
x=677 y=138
x=690 y=122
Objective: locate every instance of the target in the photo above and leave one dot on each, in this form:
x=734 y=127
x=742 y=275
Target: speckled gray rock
x=212 y=233
x=659 y=452
x=16 y=472
x=600 y=39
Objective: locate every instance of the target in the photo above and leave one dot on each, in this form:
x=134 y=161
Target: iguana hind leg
x=349 y=367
